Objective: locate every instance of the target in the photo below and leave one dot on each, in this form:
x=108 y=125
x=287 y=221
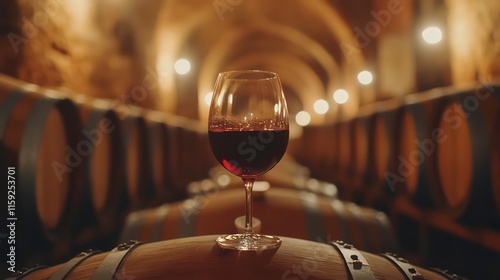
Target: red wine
x=248 y=153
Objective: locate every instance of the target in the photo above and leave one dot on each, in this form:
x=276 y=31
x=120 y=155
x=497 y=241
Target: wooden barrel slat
x=315 y=218
x=200 y=258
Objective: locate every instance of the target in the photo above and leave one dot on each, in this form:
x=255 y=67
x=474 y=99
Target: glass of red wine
x=248 y=132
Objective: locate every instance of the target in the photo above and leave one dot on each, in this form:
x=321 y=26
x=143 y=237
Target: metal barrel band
x=354 y=261
x=410 y=272
x=68 y=267
x=112 y=262
x=20 y=274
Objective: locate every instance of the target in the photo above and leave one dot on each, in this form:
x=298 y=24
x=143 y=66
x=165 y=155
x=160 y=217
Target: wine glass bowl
x=248 y=132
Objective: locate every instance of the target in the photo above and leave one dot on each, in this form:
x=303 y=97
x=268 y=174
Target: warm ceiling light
x=321 y=106
x=182 y=66
x=432 y=35
x=341 y=96
x=208 y=98
x=302 y=118
x=365 y=77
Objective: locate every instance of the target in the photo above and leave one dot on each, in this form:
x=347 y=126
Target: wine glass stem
x=248 y=191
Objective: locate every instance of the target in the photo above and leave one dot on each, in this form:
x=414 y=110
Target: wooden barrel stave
x=200 y=258
x=315 y=218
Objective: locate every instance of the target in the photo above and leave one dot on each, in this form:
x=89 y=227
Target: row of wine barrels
x=83 y=163
x=314 y=218
x=446 y=152
x=200 y=258
x=39 y=149
x=286 y=174
x=438 y=148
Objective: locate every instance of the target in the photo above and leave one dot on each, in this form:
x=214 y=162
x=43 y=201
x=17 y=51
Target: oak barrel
x=158 y=150
x=138 y=176
x=465 y=157
x=104 y=180
x=344 y=150
x=381 y=155
x=40 y=139
x=314 y=218
x=359 y=132
x=416 y=133
x=200 y=258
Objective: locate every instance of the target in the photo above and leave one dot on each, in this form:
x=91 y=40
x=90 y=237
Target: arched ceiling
x=300 y=40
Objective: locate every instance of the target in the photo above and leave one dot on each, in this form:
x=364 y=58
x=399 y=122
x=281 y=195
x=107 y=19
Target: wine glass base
x=248 y=242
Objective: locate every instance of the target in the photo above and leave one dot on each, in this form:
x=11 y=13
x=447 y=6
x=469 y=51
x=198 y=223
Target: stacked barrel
x=82 y=164
x=430 y=159
x=438 y=149
x=92 y=172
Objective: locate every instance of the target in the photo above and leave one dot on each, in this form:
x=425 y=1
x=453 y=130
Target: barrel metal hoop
x=410 y=272
x=20 y=274
x=68 y=267
x=112 y=262
x=354 y=261
x=30 y=142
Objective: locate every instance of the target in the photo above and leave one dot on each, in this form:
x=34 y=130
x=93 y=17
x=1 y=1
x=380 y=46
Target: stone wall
x=474 y=30
x=94 y=47
x=108 y=48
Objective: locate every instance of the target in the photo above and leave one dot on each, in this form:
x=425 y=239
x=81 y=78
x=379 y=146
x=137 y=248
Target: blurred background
x=392 y=102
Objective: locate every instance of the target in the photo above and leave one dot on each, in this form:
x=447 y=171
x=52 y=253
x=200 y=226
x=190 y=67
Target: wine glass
x=248 y=132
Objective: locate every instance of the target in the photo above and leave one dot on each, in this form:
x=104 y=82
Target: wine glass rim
x=227 y=74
